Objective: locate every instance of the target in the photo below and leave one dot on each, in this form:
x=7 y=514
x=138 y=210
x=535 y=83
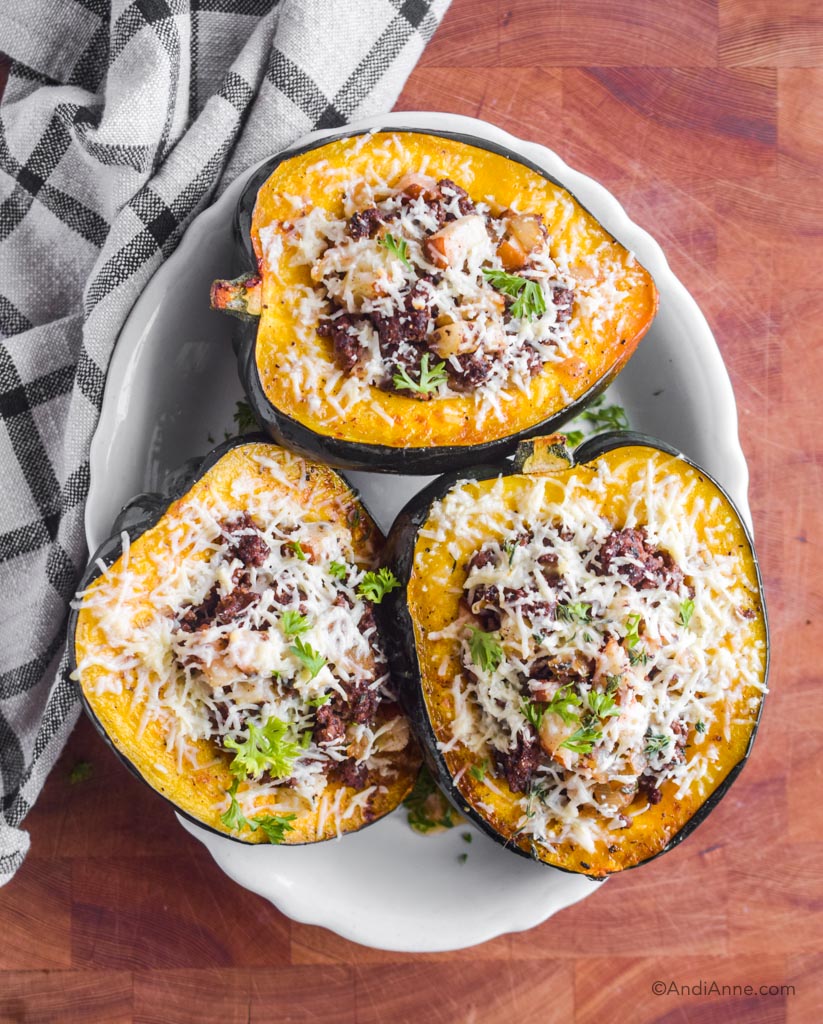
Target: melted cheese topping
x=206 y=638
x=678 y=694
x=391 y=267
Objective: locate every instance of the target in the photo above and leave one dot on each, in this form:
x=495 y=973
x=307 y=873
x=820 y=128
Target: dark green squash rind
x=401 y=648
x=140 y=514
x=354 y=454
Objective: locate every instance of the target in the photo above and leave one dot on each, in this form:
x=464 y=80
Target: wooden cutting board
x=706 y=120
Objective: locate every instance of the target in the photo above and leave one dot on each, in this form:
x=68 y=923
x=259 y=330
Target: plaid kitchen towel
x=120 y=120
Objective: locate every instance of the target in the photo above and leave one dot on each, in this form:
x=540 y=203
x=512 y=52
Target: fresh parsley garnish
x=397 y=247
x=582 y=741
x=485 y=648
x=700 y=727
x=573 y=438
x=606 y=417
x=686 y=611
x=612 y=683
x=429 y=380
x=602 y=704
x=654 y=744
x=466 y=837
x=81 y=772
x=576 y=611
x=632 y=635
x=265 y=749
x=639 y=656
x=478 y=771
x=299 y=553
x=244 y=418
x=375 y=585
x=234 y=818
x=275 y=826
x=563 y=703
x=338 y=569
x=318 y=702
x=462 y=858
x=528 y=295
x=509 y=548
x=308 y=655
x=428 y=808
x=294 y=623
x=533 y=712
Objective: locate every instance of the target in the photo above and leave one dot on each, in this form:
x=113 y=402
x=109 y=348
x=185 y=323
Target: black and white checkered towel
x=120 y=121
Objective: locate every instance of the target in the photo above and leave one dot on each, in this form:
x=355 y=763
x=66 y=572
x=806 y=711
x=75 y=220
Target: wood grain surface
x=705 y=118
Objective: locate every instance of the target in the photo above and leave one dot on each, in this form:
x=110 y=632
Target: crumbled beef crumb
x=519 y=765
x=244 y=540
x=364 y=223
x=351 y=773
x=474 y=369
x=648 y=568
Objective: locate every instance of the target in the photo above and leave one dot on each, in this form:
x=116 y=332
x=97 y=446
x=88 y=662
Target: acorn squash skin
x=360 y=455
x=137 y=517
x=540 y=458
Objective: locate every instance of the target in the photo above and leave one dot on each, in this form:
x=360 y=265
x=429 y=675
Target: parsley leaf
x=338 y=569
x=509 y=548
x=428 y=808
x=528 y=295
x=562 y=704
x=577 y=611
x=466 y=837
x=686 y=612
x=294 y=623
x=632 y=636
x=485 y=648
x=429 y=380
x=397 y=247
x=654 y=744
x=639 y=656
x=612 y=683
x=602 y=704
x=265 y=749
x=81 y=772
x=375 y=585
x=582 y=741
x=462 y=858
x=606 y=417
x=234 y=818
x=478 y=771
x=299 y=553
x=700 y=727
x=275 y=826
x=573 y=438
x=245 y=418
x=533 y=712
x=317 y=702
x=308 y=655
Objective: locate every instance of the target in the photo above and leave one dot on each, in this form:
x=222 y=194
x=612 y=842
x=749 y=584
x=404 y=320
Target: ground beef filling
x=332 y=719
x=493 y=609
x=422 y=346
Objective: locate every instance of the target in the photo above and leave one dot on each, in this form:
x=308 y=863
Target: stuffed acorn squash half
x=583 y=647
x=226 y=647
x=414 y=302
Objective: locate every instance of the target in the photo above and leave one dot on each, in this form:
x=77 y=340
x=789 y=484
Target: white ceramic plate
x=171 y=392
